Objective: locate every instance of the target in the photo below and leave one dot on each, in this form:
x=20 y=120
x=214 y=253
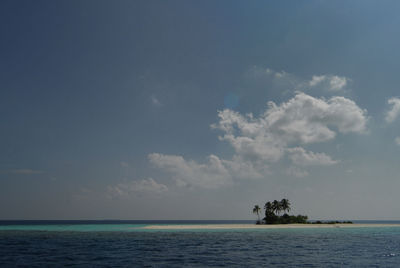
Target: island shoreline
x=262 y=226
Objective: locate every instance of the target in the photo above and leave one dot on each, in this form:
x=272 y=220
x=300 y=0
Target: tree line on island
x=273 y=214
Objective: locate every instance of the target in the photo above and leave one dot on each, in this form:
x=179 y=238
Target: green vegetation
x=273 y=210
x=257 y=210
x=331 y=222
x=273 y=214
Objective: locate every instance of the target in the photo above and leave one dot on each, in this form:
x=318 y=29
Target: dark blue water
x=141 y=222
x=333 y=247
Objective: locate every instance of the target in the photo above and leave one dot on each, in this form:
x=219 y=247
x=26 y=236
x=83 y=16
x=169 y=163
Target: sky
x=199 y=109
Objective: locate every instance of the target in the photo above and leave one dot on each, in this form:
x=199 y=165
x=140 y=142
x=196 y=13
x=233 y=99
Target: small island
x=273 y=215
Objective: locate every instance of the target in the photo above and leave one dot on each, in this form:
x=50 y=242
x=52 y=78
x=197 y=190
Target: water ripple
x=274 y=248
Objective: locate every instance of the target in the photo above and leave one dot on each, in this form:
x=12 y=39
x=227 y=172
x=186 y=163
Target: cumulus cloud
x=214 y=173
x=306 y=119
x=260 y=141
x=329 y=82
x=301 y=157
x=394 y=110
x=127 y=189
x=249 y=136
x=302 y=120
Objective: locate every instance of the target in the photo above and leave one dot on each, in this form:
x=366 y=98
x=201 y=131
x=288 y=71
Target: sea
x=126 y=244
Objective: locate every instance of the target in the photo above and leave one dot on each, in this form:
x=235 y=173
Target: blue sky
x=198 y=109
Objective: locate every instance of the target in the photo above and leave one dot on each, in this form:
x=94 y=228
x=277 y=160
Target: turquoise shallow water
x=126 y=245
x=74 y=227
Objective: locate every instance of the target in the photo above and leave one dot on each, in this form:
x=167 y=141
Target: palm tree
x=256 y=210
x=270 y=216
x=285 y=205
x=268 y=208
x=276 y=206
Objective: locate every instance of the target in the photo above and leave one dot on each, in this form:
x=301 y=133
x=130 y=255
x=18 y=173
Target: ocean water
x=125 y=244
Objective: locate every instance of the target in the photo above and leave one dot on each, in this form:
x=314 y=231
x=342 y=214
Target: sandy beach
x=254 y=226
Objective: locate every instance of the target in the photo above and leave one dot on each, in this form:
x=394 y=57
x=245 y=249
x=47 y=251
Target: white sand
x=254 y=226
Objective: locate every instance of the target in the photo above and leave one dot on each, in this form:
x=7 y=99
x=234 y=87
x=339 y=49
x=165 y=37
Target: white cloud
x=127 y=189
x=397 y=140
x=301 y=157
x=189 y=173
x=260 y=141
x=214 y=173
x=306 y=119
x=301 y=120
x=394 y=110
x=329 y=82
x=253 y=140
x=337 y=82
x=296 y=172
x=316 y=80
x=239 y=168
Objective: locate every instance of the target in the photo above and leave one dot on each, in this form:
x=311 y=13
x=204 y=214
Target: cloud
x=301 y=157
x=212 y=174
x=316 y=80
x=306 y=119
x=329 y=82
x=394 y=110
x=277 y=78
x=128 y=189
x=258 y=142
x=253 y=141
x=337 y=83
x=397 y=140
x=189 y=173
x=301 y=120
x=296 y=172
x=268 y=72
x=240 y=168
